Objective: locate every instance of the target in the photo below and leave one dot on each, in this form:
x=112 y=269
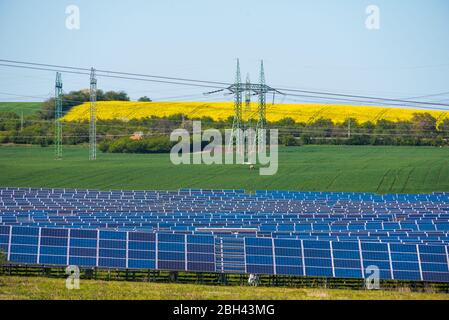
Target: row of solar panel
x=256 y=212
x=135 y=250
x=259 y=193
x=192 y=224
x=273 y=218
x=201 y=191
x=406 y=239
x=393 y=237
x=347 y=259
x=405 y=234
x=259 y=217
x=107 y=248
x=437 y=230
x=48 y=199
x=257 y=209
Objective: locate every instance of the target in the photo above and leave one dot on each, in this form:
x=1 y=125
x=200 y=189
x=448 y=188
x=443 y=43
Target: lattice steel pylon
x=262 y=108
x=58 y=115
x=237 y=122
x=237 y=89
x=247 y=117
x=93 y=116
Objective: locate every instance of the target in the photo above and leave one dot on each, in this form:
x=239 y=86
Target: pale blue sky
x=320 y=44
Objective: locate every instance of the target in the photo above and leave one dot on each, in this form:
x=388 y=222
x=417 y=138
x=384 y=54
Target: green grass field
x=310 y=168
x=18 y=107
x=48 y=288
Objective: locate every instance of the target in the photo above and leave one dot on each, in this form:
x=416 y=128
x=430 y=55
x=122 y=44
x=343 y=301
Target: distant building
x=137 y=135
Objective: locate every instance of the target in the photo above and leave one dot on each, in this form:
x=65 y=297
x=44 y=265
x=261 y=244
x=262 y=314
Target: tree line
x=422 y=129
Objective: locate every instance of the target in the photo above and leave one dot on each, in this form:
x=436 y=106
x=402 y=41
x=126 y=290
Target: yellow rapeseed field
x=127 y=110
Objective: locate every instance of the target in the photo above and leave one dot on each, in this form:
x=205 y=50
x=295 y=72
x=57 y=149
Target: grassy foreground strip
x=47 y=288
x=308 y=168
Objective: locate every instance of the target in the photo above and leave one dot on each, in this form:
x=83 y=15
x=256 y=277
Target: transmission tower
x=248 y=102
x=237 y=123
x=262 y=108
x=93 y=116
x=248 y=119
x=248 y=88
x=58 y=115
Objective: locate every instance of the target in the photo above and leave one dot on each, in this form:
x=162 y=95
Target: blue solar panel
x=53 y=246
x=171 y=251
x=288 y=257
x=200 y=253
x=259 y=255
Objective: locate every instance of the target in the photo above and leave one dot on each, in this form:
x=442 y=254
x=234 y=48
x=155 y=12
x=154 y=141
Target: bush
x=147 y=145
x=305 y=139
x=3 y=259
x=5 y=137
x=144 y=99
x=289 y=141
x=104 y=146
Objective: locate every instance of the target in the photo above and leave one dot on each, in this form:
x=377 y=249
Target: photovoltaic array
x=340 y=235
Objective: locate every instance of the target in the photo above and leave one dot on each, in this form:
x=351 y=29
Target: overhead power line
x=331 y=94
x=87 y=70
x=430 y=95
x=215 y=84
x=111 y=76
x=372 y=102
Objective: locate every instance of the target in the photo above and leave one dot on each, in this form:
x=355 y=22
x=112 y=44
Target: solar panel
x=53 y=246
x=171 y=252
x=434 y=262
x=259 y=255
x=200 y=253
x=288 y=257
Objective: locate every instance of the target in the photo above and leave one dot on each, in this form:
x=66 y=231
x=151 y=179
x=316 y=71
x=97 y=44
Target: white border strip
x=303 y=258
x=127 y=247
x=97 y=259
x=244 y=255
x=156 y=252
x=447 y=256
x=391 y=262
x=39 y=246
x=332 y=258
x=9 y=243
x=419 y=261
x=274 y=255
x=185 y=252
x=361 y=259
x=68 y=247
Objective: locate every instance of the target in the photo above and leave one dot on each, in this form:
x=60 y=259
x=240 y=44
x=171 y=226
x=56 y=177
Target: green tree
x=144 y=99
x=9 y=121
x=285 y=122
x=112 y=96
x=74 y=98
x=322 y=128
x=444 y=127
x=158 y=144
x=424 y=124
x=289 y=140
